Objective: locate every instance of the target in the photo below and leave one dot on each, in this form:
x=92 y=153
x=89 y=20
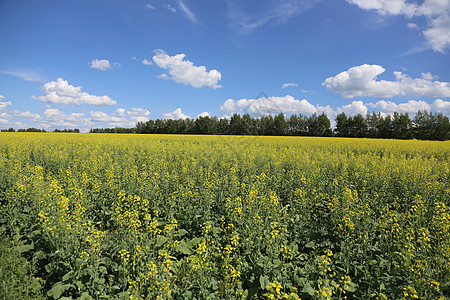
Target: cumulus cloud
x=362 y=81
x=175 y=115
x=436 y=12
x=138 y=114
x=120 y=117
x=5 y=118
x=147 y=62
x=289 y=84
x=387 y=7
x=102 y=64
x=61 y=92
x=412 y=106
x=26 y=114
x=184 y=71
x=55 y=118
x=438 y=34
x=268 y=106
x=4 y=104
x=355 y=108
x=203 y=114
x=441 y=106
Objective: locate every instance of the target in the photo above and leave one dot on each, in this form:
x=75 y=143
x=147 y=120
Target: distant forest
x=424 y=126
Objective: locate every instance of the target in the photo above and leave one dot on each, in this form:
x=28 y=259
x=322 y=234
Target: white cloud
x=387 y=7
x=412 y=26
x=355 y=108
x=438 y=35
x=441 y=106
x=27 y=75
x=436 y=12
x=21 y=125
x=278 y=12
x=203 y=114
x=361 y=81
x=5 y=118
x=411 y=107
x=120 y=117
x=149 y=6
x=102 y=64
x=184 y=71
x=163 y=76
x=268 y=106
x=187 y=11
x=169 y=7
x=26 y=114
x=147 y=62
x=175 y=115
x=138 y=114
x=61 y=92
x=434 y=7
x=289 y=84
x=55 y=118
x=4 y=104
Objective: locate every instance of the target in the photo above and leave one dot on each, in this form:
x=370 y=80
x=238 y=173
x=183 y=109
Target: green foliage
x=222 y=217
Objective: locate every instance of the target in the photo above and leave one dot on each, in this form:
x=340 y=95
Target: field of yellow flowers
x=97 y=216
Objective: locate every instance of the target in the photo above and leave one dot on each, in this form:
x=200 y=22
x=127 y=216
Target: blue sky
x=98 y=63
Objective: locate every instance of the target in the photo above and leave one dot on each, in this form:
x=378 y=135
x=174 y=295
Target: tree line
x=32 y=129
x=425 y=125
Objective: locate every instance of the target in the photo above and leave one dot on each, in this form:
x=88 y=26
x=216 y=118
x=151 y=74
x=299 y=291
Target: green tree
x=279 y=124
x=341 y=125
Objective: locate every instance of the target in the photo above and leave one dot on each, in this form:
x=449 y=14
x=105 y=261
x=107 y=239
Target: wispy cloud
x=149 y=6
x=245 y=22
x=437 y=14
x=187 y=11
x=169 y=7
x=289 y=84
x=26 y=75
x=147 y=62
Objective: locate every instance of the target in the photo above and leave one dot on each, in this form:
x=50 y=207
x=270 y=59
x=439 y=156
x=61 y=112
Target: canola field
x=109 y=216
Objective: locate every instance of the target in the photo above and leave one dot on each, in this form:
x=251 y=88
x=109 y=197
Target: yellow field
x=225 y=217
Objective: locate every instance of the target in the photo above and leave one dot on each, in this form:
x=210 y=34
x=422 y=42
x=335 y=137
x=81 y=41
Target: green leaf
x=181 y=232
x=185 y=248
x=351 y=287
x=216 y=230
x=85 y=296
x=160 y=240
x=194 y=242
x=264 y=282
x=311 y=245
x=308 y=289
x=58 y=289
x=25 y=248
x=68 y=276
